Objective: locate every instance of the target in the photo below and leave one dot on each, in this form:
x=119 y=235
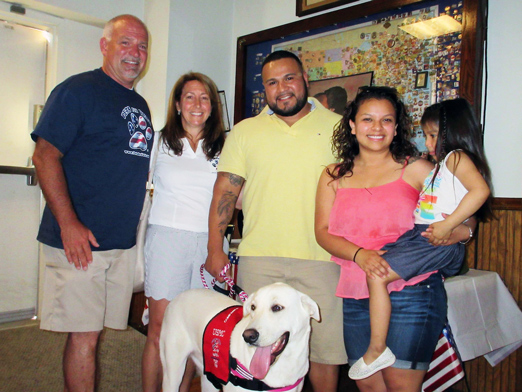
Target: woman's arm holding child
x=369 y=260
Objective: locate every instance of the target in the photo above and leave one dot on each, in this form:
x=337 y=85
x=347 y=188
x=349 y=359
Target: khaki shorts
x=84 y=301
x=317 y=279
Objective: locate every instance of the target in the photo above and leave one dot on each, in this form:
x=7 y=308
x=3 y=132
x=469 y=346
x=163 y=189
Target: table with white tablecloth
x=484 y=317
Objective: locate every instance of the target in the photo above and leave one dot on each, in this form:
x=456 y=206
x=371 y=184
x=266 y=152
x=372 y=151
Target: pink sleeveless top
x=371 y=218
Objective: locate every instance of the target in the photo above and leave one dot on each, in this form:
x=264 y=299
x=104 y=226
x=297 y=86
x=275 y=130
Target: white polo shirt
x=183 y=188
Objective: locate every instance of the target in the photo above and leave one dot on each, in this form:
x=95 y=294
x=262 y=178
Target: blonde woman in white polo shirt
x=184 y=176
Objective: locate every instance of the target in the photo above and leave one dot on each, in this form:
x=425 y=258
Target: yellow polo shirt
x=281 y=166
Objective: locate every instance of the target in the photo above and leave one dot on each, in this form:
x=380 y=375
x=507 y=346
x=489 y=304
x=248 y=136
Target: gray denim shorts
x=173 y=259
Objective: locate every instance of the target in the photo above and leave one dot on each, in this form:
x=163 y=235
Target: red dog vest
x=216 y=343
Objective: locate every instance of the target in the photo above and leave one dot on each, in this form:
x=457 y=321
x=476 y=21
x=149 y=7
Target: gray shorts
x=173 y=259
x=317 y=279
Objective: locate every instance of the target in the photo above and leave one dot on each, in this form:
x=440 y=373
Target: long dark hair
x=213 y=132
x=345 y=146
x=460 y=130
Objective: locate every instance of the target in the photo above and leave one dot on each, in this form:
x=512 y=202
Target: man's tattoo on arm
x=235 y=179
x=225 y=210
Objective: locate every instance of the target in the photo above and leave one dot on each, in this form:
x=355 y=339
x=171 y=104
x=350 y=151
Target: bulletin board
x=369 y=38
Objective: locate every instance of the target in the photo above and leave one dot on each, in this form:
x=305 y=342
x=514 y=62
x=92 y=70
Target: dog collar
x=241 y=377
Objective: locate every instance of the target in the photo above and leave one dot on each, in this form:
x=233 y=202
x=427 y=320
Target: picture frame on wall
x=351 y=84
x=307 y=7
x=421 y=81
x=224 y=109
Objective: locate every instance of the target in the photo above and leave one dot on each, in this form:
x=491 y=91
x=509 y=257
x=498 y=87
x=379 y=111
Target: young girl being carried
x=456 y=189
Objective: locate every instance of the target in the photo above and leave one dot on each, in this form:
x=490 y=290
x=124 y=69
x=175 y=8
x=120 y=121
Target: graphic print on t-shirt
x=425 y=205
x=139 y=127
x=428 y=197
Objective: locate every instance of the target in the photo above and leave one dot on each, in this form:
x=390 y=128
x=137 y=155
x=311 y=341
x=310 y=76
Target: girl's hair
x=213 y=132
x=344 y=144
x=460 y=130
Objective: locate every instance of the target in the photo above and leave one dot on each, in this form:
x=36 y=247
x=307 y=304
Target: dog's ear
x=311 y=307
x=246 y=306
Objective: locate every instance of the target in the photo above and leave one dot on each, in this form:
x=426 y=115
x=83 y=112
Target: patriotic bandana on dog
x=216 y=344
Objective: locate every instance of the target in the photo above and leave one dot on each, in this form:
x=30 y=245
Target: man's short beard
x=301 y=103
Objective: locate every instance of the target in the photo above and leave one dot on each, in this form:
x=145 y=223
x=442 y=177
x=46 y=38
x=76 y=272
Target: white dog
x=268 y=345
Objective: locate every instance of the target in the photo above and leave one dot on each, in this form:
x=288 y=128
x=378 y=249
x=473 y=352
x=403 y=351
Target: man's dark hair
x=337 y=98
x=282 y=54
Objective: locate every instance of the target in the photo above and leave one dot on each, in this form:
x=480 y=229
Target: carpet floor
x=30 y=360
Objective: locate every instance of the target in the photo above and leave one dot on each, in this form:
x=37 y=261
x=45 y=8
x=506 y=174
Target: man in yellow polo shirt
x=279 y=156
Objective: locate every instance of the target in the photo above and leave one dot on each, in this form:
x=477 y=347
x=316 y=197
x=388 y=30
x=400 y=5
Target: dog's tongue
x=260 y=362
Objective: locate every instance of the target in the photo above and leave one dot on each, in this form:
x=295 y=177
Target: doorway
x=23 y=62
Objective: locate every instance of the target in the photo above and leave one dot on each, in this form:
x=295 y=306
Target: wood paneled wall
x=497 y=247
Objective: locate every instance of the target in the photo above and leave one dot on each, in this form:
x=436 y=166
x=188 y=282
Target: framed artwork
x=350 y=84
x=421 y=80
x=376 y=37
x=224 y=110
x=306 y=7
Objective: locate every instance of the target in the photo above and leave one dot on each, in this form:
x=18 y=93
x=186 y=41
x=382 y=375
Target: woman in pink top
x=363 y=203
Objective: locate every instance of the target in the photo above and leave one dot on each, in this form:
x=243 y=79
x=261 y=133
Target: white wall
x=77 y=48
x=254 y=15
x=101 y=9
x=200 y=39
x=503 y=135
x=153 y=86
x=91 y=12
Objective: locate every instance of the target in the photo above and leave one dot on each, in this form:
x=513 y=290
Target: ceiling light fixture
x=433 y=27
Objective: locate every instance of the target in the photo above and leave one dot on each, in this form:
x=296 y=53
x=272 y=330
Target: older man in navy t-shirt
x=93 y=144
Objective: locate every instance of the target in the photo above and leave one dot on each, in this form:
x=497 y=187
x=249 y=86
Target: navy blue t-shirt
x=105 y=135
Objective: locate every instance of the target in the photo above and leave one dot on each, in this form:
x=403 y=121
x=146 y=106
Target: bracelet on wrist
x=355 y=254
x=469 y=238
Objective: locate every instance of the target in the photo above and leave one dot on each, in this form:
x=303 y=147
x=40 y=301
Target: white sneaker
x=361 y=370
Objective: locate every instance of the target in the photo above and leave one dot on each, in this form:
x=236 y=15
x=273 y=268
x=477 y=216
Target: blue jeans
x=418 y=316
x=412 y=255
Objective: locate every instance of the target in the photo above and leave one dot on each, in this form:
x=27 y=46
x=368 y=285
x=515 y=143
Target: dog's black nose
x=250 y=336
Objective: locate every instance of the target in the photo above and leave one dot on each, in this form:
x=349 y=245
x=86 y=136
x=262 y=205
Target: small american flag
x=445 y=366
x=234 y=259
